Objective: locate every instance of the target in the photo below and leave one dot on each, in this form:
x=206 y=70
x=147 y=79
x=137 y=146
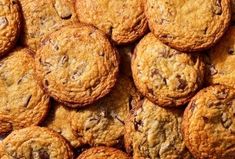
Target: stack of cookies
x=117 y=79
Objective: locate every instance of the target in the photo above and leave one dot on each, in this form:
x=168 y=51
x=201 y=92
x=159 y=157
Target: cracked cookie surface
x=122 y=21
x=209 y=123
x=77 y=65
x=22 y=101
x=191 y=25
x=166 y=76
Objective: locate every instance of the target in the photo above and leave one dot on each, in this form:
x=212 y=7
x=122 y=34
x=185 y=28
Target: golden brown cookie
x=103 y=153
x=77 y=65
x=209 y=123
x=153 y=132
x=36 y=142
x=122 y=21
x=3 y=153
x=188 y=25
x=9 y=24
x=221 y=62
x=44 y=16
x=22 y=101
x=164 y=75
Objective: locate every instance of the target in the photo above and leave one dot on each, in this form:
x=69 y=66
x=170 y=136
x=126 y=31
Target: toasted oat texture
x=209 y=123
x=3 y=153
x=36 y=142
x=153 y=132
x=102 y=123
x=103 y=153
x=166 y=76
x=221 y=63
x=9 y=24
x=59 y=120
x=188 y=25
x=122 y=21
x=44 y=16
x=77 y=65
x=22 y=101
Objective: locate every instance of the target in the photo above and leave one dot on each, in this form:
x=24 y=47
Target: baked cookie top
x=164 y=75
x=36 y=142
x=77 y=65
x=122 y=21
x=102 y=123
x=22 y=101
x=209 y=123
x=155 y=133
x=221 y=62
x=3 y=154
x=103 y=153
x=44 y=16
x=9 y=24
x=188 y=25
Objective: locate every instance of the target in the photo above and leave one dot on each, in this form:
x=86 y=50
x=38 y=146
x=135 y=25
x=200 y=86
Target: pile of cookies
x=117 y=79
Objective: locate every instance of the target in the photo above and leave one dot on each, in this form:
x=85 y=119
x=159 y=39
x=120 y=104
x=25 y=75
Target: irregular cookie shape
x=44 y=16
x=36 y=142
x=103 y=153
x=188 y=25
x=22 y=101
x=155 y=133
x=77 y=65
x=9 y=24
x=164 y=75
x=222 y=61
x=102 y=123
x=122 y=21
x=209 y=123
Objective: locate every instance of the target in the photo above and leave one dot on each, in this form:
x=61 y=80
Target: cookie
x=9 y=24
x=44 y=16
x=122 y=21
x=221 y=62
x=102 y=123
x=22 y=101
x=154 y=132
x=103 y=153
x=59 y=119
x=209 y=123
x=77 y=65
x=188 y=25
x=164 y=75
x=3 y=154
x=36 y=142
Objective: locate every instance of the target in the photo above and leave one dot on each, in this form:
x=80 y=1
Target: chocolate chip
x=40 y=154
x=231 y=51
x=182 y=83
x=206 y=120
x=3 y=22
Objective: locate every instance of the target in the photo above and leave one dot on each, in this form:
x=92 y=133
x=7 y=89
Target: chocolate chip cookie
x=102 y=123
x=188 y=25
x=103 y=153
x=164 y=75
x=154 y=132
x=44 y=16
x=36 y=142
x=9 y=24
x=22 y=101
x=209 y=123
x=221 y=62
x=122 y=21
x=3 y=153
x=77 y=65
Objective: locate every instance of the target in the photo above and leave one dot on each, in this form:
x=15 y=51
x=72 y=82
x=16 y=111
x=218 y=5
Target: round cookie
x=122 y=21
x=154 y=132
x=209 y=123
x=102 y=123
x=36 y=142
x=188 y=25
x=103 y=153
x=77 y=65
x=222 y=61
x=22 y=101
x=166 y=76
x=9 y=24
x=44 y=16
